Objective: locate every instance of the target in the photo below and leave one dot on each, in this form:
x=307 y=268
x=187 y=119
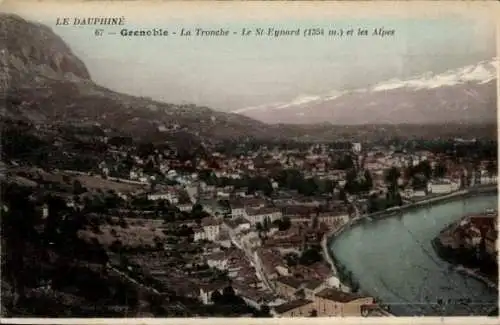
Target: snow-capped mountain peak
x=425 y=98
x=482 y=72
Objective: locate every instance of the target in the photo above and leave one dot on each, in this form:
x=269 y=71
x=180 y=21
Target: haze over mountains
x=46 y=82
x=465 y=95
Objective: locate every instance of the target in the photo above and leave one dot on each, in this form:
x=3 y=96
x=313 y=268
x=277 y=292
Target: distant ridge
x=464 y=95
x=46 y=82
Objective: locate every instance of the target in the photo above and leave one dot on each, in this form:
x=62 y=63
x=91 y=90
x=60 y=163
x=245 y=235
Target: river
x=393 y=259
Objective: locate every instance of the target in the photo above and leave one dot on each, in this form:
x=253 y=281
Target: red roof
x=483 y=221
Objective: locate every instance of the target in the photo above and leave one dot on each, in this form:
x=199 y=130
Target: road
x=256 y=263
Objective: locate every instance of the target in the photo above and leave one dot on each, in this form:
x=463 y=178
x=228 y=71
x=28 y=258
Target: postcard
x=298 y=160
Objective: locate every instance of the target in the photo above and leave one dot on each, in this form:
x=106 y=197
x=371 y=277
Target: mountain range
x=464 y=95
x=43 y=81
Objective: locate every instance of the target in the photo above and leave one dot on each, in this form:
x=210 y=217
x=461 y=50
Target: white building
x=223 y=194
x=133 y=174
x=255 y=216
x=211 y=227
x=334 y=282
x=207 y=290
x=218 y=260
x=169 y=196
x=282 y=270
x=199 y=234
x=487 y=179
x=236 y=226
x=442 y=187
x=237 y=211
x=356 y=147
x=185 y=207
x=45 y=211
x=418 y=193
x=333 y=218
x=209 y=230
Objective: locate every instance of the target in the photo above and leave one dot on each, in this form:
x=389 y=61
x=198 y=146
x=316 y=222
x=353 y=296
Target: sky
x=234 y=72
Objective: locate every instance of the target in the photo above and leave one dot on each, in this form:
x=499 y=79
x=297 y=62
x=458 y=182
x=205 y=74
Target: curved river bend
x=393 y=259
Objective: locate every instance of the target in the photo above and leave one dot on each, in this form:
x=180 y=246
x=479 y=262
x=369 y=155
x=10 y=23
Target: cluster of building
x=317 y=300
x=251 y=248
x=475 y=230
x=245 y=238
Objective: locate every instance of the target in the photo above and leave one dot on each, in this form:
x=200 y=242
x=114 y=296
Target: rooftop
x=337 y=295
x=290 y=281
x=236 y=205
x=206 y=222
x=236 y=222
x=218 y=256
x=483 y=221
x=313 y=284
x=283 y=308
x=214 y=286
x=265 y=210
x=292 y=210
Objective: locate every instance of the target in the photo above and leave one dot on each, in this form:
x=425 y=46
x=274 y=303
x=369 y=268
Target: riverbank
x=330 y=257
x=330 y=237
x=445 y=255
x=395 y=211
x=461 y=194
x=446 y=247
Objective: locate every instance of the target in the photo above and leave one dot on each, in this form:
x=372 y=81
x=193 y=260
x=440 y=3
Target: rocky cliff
x=34 y=52
x=43 y=80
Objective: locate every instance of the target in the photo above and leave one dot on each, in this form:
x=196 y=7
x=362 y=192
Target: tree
x=216 y=296
x=391 y=178
x=265 y=310
x=229 y=297
x=159 y=245
x=259 y=227
x=315 y=222
x=373 y=204
x=291 y=259
x=228 y=291
x=266 y=224
x=57 y=207
x=116 y=246
x=112 y=201
x=439 y=170
x=145 y=149
x=162 y=206
x=354 y=286
x=344 y=163
x=342 y=195
x=311 y=256
x=308 y=187
x=425 y=168
x=259 y=184
x=285 y=224
x=368 y=180
x=66 y=179
x=17 y=231
x=197 y=212
x=491 y=168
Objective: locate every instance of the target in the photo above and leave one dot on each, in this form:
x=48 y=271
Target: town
x=116 y=227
